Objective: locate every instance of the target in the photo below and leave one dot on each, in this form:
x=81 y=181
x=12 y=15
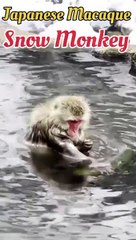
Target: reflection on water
x=54 y=167
x=33 y=207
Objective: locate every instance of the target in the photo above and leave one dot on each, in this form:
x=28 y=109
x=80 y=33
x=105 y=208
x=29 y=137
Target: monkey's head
x=73 y=113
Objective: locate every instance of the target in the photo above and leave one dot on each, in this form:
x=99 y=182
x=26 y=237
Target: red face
x=74 y=127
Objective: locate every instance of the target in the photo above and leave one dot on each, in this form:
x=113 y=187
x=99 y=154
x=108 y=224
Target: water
x=32 y=206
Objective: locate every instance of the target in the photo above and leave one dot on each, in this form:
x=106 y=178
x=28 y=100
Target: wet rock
x=111 y=54
x=133 y=64
x=123 y=165
x=126 y=162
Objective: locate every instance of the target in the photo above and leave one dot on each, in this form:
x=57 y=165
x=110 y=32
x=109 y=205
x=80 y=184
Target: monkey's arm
x=56 y=139
x=59 y=136
x=53 y=138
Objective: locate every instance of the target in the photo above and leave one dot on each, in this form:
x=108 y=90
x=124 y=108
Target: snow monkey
x=59 y=120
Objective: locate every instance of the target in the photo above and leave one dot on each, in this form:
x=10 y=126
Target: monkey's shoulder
x=37 y=134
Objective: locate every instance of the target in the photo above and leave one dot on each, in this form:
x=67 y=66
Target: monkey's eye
x=56 y=106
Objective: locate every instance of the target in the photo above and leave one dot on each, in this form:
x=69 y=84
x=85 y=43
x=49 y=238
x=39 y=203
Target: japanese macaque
x=61 y=120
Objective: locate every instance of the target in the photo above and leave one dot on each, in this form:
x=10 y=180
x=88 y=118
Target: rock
x=133 y=64
x=126 y=162
x=111 y=54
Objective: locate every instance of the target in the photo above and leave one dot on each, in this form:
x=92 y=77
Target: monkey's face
x=72 y=114
x=72 y=125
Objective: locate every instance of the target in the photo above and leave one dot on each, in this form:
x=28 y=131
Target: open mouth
x=74 y=126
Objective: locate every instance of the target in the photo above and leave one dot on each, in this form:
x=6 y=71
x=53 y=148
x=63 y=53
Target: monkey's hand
x=84 y=146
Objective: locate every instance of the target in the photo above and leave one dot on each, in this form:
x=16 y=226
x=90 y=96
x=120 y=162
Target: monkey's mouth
x=74 y=126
